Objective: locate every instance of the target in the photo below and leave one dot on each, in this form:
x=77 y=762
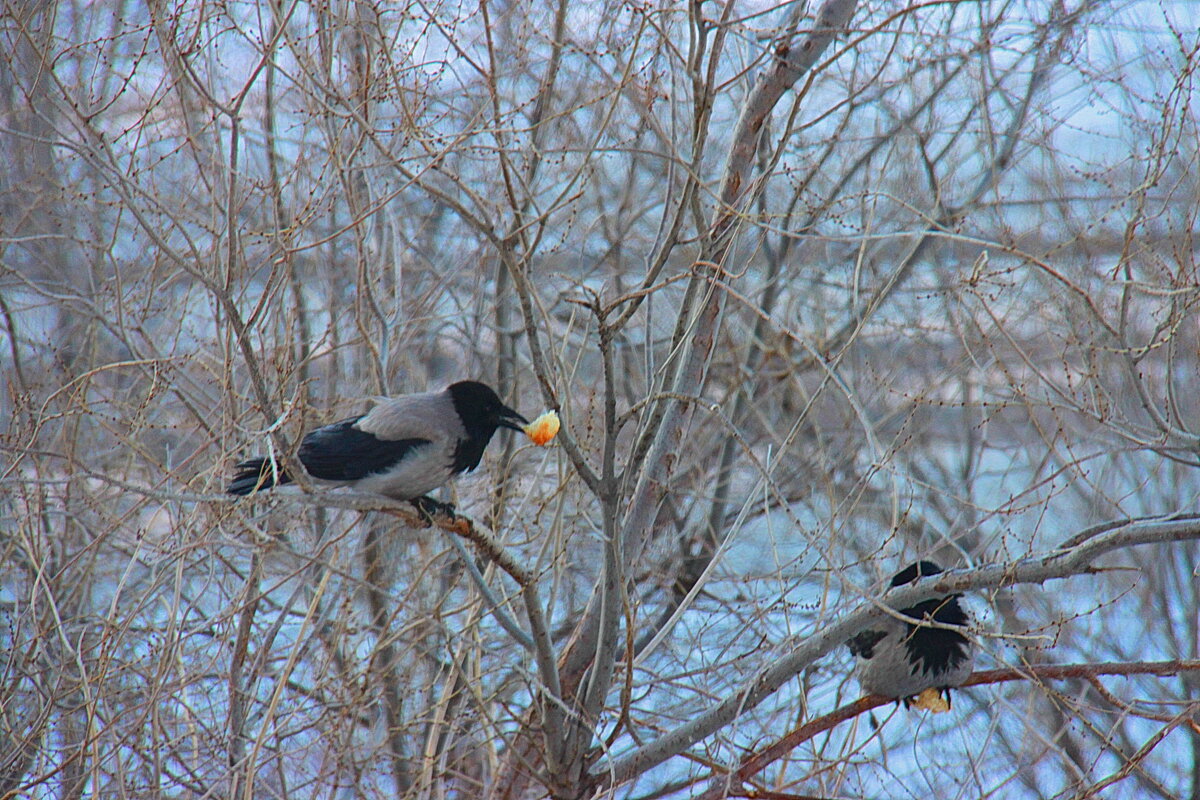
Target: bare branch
x=1053 y=566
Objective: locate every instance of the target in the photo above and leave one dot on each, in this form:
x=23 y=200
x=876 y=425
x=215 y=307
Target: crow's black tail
x=256 y=474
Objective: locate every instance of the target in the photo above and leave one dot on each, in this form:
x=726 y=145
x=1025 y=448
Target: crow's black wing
x=936 y=650
x=341 y=452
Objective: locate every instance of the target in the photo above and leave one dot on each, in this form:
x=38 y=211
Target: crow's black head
x=481 y=413
x=481 y=410
x=862 y=644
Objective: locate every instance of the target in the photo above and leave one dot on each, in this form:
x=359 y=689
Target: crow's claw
x=429 y=508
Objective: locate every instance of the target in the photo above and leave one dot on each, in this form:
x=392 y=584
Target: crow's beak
x=511 y=419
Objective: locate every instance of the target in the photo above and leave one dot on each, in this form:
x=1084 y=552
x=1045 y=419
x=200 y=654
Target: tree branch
x=725 y=782
x=1055 y=565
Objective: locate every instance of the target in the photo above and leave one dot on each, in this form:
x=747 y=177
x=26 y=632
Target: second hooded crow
x=902 y=660
x=402 y=448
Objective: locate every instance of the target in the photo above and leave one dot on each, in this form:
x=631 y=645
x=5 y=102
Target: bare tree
x=817 y=290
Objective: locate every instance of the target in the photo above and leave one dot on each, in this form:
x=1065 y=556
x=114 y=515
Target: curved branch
x=1063 y=563
x=724 y=782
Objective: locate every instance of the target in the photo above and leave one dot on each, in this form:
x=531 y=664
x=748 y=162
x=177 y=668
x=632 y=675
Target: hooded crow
x=402 y=448
x=902 y=660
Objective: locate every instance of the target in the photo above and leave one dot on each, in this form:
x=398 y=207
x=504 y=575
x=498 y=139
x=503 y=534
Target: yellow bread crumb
x=931 y=700
x=543 y=429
